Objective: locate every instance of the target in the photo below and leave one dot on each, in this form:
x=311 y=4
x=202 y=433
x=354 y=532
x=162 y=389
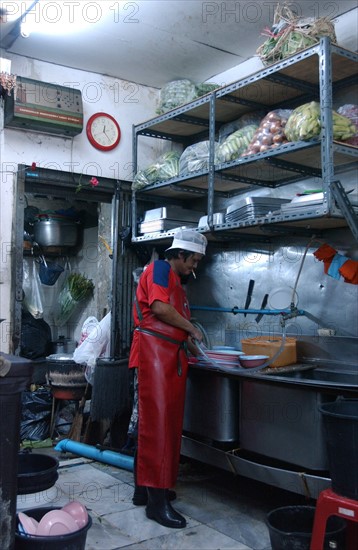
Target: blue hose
x=236 y=310
x=89 y=451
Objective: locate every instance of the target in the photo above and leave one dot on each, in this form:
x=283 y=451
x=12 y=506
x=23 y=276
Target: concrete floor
x=222 y=511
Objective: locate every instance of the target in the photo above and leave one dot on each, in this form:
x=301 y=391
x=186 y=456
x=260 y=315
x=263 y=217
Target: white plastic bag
x=96 y=344
x=33 y=295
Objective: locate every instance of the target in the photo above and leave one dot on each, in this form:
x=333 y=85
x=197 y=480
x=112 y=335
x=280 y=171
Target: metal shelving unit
x=313 y=74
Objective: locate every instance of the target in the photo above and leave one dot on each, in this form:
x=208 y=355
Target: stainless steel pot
x=63 y=345
x=50 y=232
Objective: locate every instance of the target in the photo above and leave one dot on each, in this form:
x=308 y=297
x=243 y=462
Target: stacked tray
x=304 y=203
x=168 y=217
x=252 y=207
x=163 y=225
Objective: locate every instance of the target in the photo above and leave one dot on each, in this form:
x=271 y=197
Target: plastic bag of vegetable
x=165 y=168
x=245 y=120
x=290 y=34
x=140 y=180
x=205 y=88
x=176 y=93
x=270 y=133
x=304 y=123
x=350 y=111
x=77 y=288
x=235 y=144
x=168 y=166
x=195 y=157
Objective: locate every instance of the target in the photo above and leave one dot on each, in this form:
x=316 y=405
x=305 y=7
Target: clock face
x=103 y=131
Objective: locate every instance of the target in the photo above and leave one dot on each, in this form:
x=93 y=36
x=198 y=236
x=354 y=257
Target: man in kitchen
x=163 y=333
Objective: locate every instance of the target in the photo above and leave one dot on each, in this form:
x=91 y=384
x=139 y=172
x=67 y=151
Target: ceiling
x=149 y=42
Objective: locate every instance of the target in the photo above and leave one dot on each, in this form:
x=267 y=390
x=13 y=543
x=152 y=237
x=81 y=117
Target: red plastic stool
x=331 y=504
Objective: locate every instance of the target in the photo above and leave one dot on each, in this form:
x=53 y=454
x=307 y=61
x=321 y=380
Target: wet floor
x=223 y=511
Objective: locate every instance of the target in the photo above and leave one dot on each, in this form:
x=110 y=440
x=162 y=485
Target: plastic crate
x=269 y=345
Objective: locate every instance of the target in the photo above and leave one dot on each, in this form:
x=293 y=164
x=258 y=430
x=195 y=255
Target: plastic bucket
x=290 y=528
x=340 y=421
x=71 y=541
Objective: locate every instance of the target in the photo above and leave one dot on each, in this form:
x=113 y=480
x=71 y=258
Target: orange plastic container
x=269 y=345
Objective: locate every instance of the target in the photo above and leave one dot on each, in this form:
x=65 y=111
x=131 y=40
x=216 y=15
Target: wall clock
x=103 y=131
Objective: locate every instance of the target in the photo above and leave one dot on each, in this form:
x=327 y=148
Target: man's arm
x=167 y=314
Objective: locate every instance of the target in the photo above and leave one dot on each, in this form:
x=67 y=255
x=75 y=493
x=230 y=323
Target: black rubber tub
x=340 y=420
x=71 y=541
x=290 y=528
x=36 y=472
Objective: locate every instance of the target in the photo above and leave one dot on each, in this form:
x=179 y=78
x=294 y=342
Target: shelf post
x=346 y=207
x=135 y=169
x=325 y=91
x=211 y=175
x=17 y=261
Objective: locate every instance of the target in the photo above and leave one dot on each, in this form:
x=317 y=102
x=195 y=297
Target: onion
x=267 y=140
x=278 y=138
x=273 y=117
x=275 y=128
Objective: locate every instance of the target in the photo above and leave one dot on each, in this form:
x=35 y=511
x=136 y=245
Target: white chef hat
x=191 y=241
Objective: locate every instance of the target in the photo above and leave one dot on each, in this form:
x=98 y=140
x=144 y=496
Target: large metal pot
x=56 y=232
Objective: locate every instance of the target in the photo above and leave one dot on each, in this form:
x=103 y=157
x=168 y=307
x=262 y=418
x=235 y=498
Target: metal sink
x=322 y=377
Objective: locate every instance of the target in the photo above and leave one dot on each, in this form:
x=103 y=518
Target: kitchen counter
x=234 y=419
x=317 y=375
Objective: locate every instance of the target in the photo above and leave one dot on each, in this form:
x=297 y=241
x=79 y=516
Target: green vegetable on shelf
x=77 y=289
x=165 y=168
x=79 y=286
x=236 y=143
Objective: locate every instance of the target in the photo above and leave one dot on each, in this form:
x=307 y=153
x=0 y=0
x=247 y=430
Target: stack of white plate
x=226 y=358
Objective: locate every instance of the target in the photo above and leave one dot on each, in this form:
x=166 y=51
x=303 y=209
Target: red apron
x=162 y=373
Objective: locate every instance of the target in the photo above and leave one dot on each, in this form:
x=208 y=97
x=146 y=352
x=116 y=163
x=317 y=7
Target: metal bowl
x=251 y=361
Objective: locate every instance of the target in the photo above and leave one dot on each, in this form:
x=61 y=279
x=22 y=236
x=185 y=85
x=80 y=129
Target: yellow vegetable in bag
x=305 y=123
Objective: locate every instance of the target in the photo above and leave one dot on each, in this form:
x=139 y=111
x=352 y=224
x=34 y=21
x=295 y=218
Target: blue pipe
x=236 y=310
x=89 y=451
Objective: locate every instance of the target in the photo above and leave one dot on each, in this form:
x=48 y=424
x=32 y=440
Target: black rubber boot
x=140 y=495
x=160 y=509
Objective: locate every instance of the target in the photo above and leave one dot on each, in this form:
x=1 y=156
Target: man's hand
x=196 y=334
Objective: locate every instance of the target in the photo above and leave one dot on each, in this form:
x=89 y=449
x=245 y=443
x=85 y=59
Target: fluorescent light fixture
x=14 y=10
x=61 y=17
